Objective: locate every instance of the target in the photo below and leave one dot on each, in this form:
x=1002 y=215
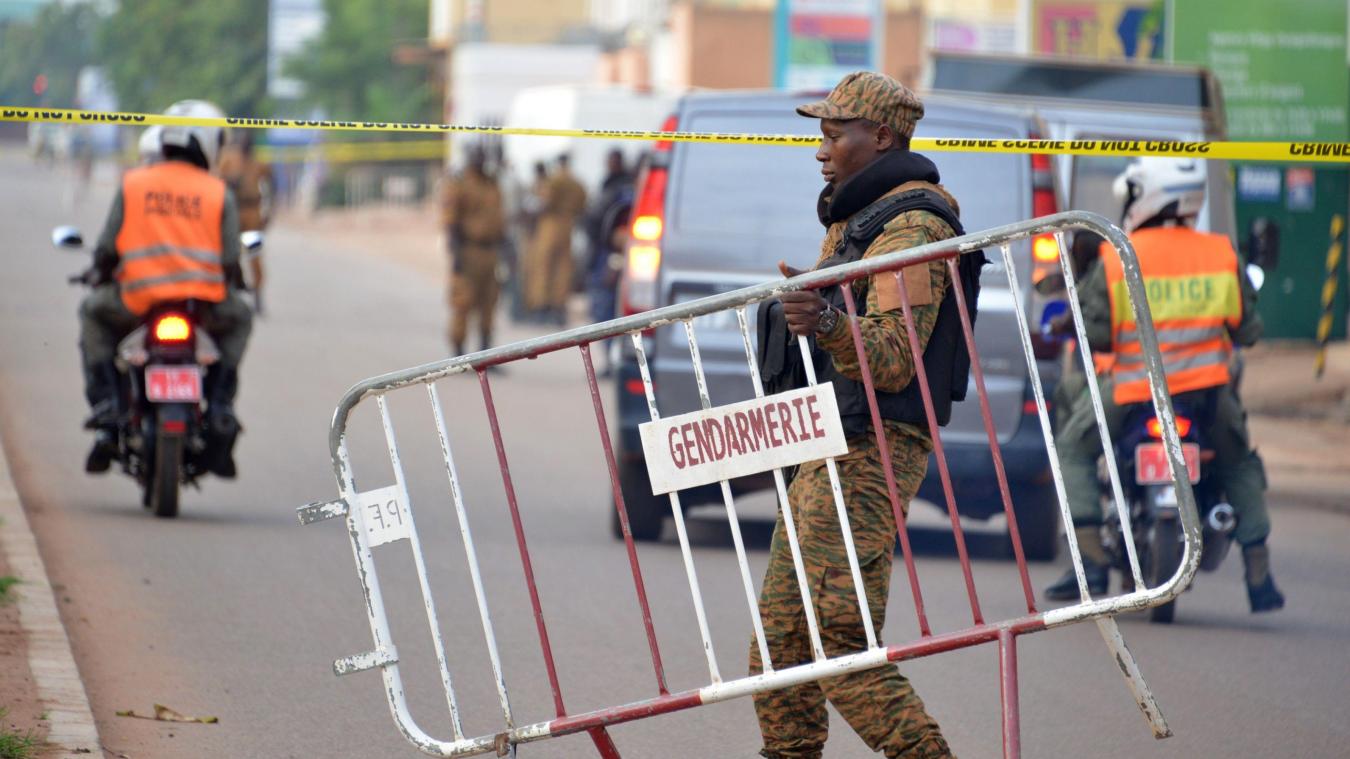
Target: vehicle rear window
x=1038 y=78
x=745 y=189
x=740 y=189
x=1093 y=177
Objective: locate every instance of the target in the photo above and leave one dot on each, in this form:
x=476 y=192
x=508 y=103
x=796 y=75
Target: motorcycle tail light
x=1155 y=427
x=172 y=329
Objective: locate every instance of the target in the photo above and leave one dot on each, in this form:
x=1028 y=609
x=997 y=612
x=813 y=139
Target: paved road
x=234 y=611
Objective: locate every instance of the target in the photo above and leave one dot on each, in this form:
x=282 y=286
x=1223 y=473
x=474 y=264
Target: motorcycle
x=1146 y=478
x=163 y=438
x=1155 y=519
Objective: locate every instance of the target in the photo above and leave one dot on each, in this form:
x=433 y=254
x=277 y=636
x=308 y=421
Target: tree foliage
x=349 y=69
x=56 y=43
x=161 y=51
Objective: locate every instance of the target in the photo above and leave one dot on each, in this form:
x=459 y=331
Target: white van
x=578 y=107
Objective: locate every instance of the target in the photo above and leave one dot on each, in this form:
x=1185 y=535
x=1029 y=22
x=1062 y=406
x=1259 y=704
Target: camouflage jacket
x=884 y=334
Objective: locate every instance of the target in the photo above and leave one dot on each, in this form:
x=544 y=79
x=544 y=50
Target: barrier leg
x=1129 y=668
x=1007 y=674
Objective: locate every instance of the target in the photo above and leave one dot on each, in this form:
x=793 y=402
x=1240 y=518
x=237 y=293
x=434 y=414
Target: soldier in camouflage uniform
x=475 y=228
x=867 y=122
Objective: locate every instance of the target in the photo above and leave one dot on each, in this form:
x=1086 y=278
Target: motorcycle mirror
x=1256 y=275
x=252 y=239
x=1263 y=243
x=1051 y=284
x=67 y=237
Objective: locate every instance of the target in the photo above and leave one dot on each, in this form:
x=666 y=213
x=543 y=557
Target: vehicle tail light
x=671 y=124
x=1044 y=248
x=1043 y=203
x=635 y=387
x=172 y=328
x=638 y=288
x=1155 y=427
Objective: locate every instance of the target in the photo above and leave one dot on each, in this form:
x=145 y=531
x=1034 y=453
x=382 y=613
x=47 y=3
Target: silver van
x=710 y=218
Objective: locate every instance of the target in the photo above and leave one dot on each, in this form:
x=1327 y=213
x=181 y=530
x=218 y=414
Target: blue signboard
x=819 y=41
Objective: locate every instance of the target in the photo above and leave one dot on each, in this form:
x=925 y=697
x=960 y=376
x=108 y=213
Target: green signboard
x=1282 y=64
x=1284 y=71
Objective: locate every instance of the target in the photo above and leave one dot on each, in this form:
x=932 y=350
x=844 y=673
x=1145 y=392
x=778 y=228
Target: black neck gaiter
x=892 y=169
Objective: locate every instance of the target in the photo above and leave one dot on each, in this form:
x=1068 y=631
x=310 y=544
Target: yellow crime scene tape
x=1298 y=152
x=349 y=152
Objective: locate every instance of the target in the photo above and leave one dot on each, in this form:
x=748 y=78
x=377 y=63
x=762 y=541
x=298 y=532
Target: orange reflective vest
x=169 y=247
x=1194 y=297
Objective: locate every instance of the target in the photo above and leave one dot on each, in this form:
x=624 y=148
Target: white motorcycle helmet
x=1152 y=186
x=209 y=139
x=148 y=147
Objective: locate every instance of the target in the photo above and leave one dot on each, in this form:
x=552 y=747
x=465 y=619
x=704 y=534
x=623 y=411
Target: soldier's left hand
x=802 y=308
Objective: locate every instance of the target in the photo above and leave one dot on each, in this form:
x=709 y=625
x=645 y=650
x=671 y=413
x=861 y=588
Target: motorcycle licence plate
x=1150 y=463
x=173 y=384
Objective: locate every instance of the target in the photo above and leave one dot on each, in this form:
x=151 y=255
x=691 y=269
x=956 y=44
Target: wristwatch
x=827 y=321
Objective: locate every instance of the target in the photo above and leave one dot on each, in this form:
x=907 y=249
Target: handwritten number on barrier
x=384 y=515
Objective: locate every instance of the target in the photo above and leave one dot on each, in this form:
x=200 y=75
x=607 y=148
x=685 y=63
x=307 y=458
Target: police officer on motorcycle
x=1202 y=305
x=172 y=234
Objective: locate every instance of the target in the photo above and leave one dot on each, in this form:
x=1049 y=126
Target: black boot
x=101 y=389
x=1095 y=567
x=1262 y=594
x=104 y=451
x=222 y=427
x=1066 y=588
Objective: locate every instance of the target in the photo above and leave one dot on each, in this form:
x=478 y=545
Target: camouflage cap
x=872 y=96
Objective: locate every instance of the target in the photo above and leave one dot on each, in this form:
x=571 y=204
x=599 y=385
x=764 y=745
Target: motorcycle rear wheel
x=1163 y=560
x=167 y=475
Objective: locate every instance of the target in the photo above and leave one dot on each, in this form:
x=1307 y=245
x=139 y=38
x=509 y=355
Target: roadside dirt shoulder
x=24 y=714
x=1301 y=423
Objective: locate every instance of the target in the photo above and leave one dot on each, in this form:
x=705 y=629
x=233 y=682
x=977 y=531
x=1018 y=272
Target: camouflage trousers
x=879 y=704
x=473 y=292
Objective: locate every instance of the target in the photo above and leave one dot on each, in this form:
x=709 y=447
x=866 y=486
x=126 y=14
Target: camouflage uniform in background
x=475 y=224
x=879 y=704
x=549 y=266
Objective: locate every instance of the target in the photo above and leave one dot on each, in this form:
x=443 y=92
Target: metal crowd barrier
x=383 y=516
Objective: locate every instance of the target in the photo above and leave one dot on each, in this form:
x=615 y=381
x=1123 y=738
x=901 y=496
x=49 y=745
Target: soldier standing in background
x=606 y=228
x=252 y=183
x=871 y=176
x=549 y=261
x=527 y=208
x=475 y=228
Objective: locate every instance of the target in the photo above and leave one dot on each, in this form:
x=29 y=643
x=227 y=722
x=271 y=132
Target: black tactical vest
x=945 y=359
